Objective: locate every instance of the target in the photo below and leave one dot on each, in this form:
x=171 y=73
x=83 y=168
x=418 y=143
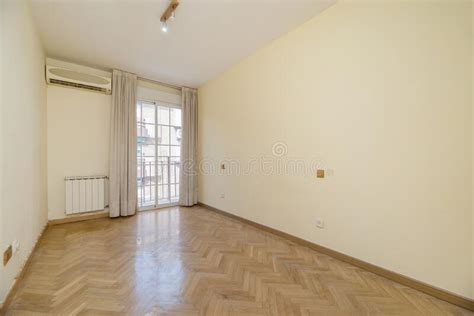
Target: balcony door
x=158 y=154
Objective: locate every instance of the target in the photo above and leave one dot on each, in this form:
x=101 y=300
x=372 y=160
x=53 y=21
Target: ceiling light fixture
x=164 y=27
x=169 y=14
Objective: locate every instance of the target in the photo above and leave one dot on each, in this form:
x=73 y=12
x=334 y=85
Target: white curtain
x=123 y=145
x=188 y=174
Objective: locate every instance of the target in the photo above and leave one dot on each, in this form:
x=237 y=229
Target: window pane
x=146 y=169
x=146 y=179
x=175 y=135
x=139 y=150
x=163 y=193
x=163 y=150
x=163 y=115
x=148 y=159
x=163 y=135
x=172 y=191
x=147 y=151
x=175 y=116
x=162 y=170
x=139 y=112
x=148 y=195
x=175 y=151
x=145 y=134
x=140 y=129
x=174 y=170
x=140 y=191
x=139 y=174
x=148 y=113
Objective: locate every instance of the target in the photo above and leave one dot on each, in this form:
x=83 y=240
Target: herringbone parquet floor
x=191 y=261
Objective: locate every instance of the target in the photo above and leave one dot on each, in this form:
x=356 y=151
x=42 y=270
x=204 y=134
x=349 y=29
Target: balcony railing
x=158 y=181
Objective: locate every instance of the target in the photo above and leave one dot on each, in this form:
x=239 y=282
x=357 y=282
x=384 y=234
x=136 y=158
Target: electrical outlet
x=222 y=195
x=319 y=223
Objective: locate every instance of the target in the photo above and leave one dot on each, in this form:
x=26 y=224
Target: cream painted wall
x=78 y=139
x=380 y=93
x=23 y=212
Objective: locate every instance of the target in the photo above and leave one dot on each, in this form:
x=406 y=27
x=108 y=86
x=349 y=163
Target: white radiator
x=85 y=194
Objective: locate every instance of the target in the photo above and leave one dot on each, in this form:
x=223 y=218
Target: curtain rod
x=161 y=83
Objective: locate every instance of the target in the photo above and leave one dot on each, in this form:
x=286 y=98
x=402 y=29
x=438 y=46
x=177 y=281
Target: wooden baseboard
x=407 y=281
x=20 y=276
x=73 y=219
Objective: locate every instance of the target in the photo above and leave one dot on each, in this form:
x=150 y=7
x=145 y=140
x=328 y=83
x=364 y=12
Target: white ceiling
x=207 y=37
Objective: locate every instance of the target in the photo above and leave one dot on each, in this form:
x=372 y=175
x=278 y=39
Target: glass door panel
x=158 y=150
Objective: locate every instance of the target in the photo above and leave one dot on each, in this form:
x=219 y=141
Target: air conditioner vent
x=77 y=85
x=76 y=76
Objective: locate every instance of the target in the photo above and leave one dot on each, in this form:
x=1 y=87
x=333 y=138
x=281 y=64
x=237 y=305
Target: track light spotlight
x=164 y=27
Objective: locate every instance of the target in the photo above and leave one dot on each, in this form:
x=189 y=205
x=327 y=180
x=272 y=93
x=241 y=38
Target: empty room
x=237 y=157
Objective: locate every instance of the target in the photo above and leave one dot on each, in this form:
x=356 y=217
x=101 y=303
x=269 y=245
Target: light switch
x=320 y=173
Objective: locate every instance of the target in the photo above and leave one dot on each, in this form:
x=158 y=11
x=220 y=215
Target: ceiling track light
x=164 y=27
x=169 y=14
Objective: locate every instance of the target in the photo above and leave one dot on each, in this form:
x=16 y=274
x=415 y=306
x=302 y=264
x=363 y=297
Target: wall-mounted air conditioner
x=76 y=76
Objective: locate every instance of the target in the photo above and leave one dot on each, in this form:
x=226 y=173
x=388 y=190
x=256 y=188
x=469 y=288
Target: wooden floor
x=191 y=261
